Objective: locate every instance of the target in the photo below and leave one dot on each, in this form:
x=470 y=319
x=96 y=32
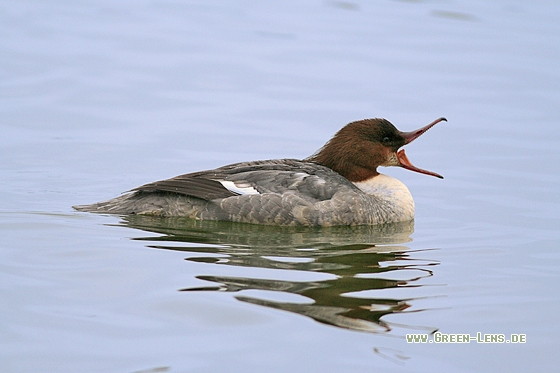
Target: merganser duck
x=338 y=185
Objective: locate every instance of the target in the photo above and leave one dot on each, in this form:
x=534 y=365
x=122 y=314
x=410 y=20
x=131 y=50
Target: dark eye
x=386 y=140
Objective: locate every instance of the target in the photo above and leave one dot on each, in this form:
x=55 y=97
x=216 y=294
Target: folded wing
x=260 y=177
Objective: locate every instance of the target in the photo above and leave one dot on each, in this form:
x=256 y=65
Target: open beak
x=411 y=136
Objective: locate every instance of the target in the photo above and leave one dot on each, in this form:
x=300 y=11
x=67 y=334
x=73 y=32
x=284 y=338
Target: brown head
x=360 y=147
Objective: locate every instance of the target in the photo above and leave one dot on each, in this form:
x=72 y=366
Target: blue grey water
x=98 y=97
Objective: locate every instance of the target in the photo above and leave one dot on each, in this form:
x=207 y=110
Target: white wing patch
x=243 y=189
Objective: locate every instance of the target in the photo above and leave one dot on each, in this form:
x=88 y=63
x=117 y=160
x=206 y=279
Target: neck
x=393 y=192
x=352 y=162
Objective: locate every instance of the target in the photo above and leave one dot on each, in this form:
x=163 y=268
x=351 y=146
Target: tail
x=148 y=203
x=122 y=205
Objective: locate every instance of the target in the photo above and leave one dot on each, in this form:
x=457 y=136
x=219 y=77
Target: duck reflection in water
x=361 y=259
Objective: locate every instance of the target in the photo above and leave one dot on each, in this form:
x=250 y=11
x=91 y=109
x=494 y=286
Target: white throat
x=392 y=191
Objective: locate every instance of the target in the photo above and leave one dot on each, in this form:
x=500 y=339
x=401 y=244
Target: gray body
x=276 y=192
